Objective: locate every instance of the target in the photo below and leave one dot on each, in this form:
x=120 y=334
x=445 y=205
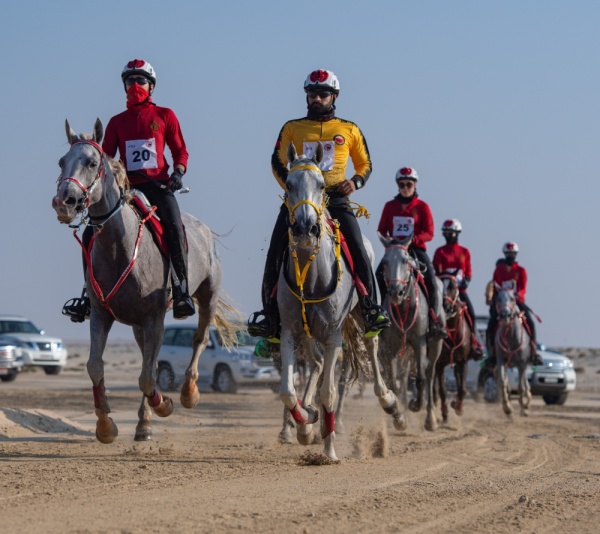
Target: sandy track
x=220 y=468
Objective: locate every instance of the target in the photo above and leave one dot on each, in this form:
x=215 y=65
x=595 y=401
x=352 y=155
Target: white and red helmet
x=452 y=225
x=407 y=173
x=139 y=66
x=510 y=247
x=322 y=79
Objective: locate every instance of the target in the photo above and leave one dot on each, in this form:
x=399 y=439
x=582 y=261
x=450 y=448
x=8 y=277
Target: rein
x=394 y=309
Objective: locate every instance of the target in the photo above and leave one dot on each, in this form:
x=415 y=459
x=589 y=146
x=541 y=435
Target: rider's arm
x=110 y=143
x=359 y=153
x=175 y=142
x=424 y=232
x=385 y=223
x=522 y=285
x=437 y=261
x=468 y=269
x=279 y=157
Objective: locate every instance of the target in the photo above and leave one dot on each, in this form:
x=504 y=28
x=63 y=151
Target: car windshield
x=21 y=327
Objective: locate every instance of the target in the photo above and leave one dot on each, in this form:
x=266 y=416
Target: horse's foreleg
x=459 y=376
x=524 y=391
x=387 y=400
x=502 y=382
x=420 y=350
x=327 y=393
x=440 y=389
x=100 y=324
x=433 y=352
x=285 y=436
x=342 y=393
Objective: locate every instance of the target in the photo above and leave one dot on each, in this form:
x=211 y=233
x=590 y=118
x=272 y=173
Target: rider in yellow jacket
x=340 y=139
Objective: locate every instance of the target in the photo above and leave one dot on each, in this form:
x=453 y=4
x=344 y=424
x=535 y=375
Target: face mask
x=136 y=94
x=451 y=239
x=510 y=260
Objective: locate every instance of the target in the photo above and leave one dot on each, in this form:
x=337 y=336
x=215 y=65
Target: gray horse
x=315 y=297
x=128 y=277
x=408 y=338
x=512 y=348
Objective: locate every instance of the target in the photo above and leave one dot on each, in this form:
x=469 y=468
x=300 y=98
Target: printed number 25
x=402 y=227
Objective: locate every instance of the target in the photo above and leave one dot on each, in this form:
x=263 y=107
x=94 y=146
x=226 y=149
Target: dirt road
x=220 y=468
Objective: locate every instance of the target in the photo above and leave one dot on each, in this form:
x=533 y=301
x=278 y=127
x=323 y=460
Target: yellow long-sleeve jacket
x=340 y=138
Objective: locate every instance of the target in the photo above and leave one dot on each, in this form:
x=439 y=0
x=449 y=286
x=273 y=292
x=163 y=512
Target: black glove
x=176 y=180
x=464 y=283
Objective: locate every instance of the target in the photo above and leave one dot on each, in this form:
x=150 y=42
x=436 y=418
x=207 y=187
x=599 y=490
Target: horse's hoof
x=106 y=431
x=305 y=438
x=190 y=396
x=165 y=408
x=414 y=406
x=400 y=422
x=285 y=438
x=143 y=433
x=457 y=407
x=431 y=426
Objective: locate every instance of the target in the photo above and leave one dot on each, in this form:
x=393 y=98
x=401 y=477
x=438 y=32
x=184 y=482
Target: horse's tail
x=355 y=350
x=228 y=321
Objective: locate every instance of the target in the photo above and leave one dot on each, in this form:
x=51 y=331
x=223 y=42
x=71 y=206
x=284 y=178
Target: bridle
x=301 y=273
x=87 y=191
x=452 y=302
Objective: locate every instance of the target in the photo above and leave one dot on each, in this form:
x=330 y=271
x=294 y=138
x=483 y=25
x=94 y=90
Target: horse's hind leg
x=440 y=389
x=343 y=388
x=100 y=324
x=459 y=375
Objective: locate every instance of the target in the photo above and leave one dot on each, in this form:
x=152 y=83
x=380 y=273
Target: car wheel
x=490 y=388
x=559 y=398
x=224 y=382
x=52 y=369
x=9 y=377
x=165 y=377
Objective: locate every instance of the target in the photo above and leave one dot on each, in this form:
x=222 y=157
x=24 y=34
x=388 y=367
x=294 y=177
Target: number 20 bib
x=141 y=154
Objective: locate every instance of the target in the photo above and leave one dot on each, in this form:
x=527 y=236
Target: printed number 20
x=139 y=156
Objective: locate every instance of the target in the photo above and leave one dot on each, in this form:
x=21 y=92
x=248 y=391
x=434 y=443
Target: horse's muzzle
x=65 y=210
x=306 y=229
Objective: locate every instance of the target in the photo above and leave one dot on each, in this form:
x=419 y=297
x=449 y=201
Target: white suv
x=38 y=349
x=218 y=367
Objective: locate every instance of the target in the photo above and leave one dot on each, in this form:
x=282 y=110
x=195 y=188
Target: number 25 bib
x=403 y=226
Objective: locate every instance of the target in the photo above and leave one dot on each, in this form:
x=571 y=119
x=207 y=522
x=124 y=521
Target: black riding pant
x=168 y=211
x=338 y=209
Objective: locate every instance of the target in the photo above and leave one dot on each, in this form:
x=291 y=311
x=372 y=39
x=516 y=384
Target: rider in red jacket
x=407 y=215
x=509 y=273
x=455 y=259
x=140 y=134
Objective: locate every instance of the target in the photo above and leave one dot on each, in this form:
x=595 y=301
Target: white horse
x=315 y=297
x=512 y=347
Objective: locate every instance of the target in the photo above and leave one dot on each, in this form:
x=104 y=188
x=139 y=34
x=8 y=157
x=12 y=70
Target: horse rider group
x=141 y=132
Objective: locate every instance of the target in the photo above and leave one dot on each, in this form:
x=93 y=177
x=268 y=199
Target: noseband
x=87 y=191
x=405 y=283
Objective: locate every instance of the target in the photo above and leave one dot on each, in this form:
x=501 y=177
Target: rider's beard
x=136 y=94
x=320 y=112
x=318 y=108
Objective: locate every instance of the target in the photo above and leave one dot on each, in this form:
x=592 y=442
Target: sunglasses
x=321 y=94
x=140 y=80
x=406 y=185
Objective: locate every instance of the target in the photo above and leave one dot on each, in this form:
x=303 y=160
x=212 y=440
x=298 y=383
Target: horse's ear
x=71 y=135
x=318 y=155
x=292 y=155
x=98 y=131
x=385 y=240
x=407 y=241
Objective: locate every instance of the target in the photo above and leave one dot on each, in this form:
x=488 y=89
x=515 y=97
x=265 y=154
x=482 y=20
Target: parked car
x=224 y=370
x=553 y=381
x=38 y=349
x=11 y=358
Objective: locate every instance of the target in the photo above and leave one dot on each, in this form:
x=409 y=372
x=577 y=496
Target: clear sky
x=494 y=103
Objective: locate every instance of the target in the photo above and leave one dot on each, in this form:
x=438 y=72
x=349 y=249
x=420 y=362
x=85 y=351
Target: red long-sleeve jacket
x=140 y=135
x=504 y=274
x=399 y=220
x=453 y=257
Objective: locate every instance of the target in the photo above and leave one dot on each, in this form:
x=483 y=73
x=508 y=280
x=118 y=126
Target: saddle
x=139 y=202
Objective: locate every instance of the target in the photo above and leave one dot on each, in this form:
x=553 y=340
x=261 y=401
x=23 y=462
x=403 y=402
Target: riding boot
x=376 y=318
x=78 y=309
x=536 y=359
x=266 y=322
x=477 y=351
x=437 y=329
x=183 y=305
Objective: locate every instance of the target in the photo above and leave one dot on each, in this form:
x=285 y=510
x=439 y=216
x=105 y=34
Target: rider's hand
x=347 y=187
x=176 y=180
x=464 y=284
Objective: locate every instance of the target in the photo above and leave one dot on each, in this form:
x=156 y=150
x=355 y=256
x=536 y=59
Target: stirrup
x=184 y=307
x=376 y=320
x=263 y=328
x=536 y=359
x=77 y=309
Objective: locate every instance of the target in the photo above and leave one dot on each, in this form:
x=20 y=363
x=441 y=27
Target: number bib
x=308 y=147
x=141 y=154
x=403 y=226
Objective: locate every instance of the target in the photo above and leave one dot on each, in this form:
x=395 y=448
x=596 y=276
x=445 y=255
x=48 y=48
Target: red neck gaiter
x=136 y=94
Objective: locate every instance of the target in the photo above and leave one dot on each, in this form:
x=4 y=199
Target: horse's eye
x=92 y=164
